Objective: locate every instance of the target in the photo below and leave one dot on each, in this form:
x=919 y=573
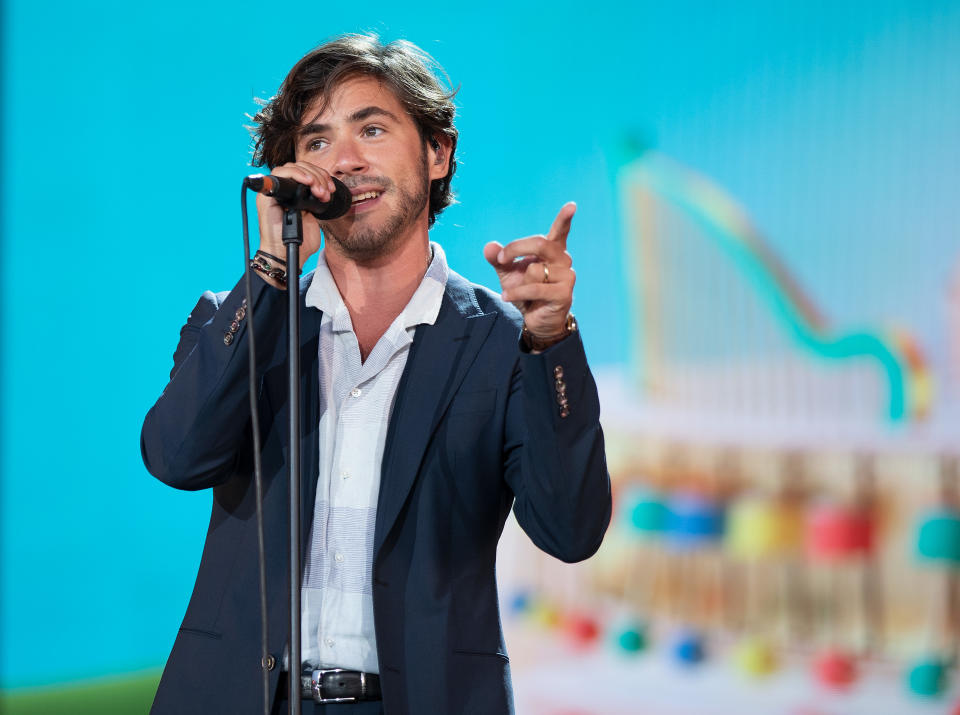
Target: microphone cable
x=257 y=466
x=296 y=196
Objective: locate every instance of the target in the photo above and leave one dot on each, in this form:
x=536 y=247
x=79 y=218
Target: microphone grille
x=339 y=204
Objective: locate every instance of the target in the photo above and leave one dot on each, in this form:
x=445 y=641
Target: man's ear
x=439 y=155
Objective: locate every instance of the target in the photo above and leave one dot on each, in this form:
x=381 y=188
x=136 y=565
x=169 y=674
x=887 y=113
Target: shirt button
x=338 y=557
x=344 y=475
x=330 y=642
x=355 y=392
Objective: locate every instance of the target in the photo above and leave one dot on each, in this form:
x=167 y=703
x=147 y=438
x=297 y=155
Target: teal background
x=835 y=125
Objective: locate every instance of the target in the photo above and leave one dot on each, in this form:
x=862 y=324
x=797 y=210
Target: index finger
x=308 y=174
x=322 y=175
x=561 y=224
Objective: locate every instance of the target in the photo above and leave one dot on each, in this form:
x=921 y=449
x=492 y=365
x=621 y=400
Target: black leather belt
x=335 y=685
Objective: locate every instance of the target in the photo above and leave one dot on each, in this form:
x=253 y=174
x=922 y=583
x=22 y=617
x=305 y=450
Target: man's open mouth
x=365 y=196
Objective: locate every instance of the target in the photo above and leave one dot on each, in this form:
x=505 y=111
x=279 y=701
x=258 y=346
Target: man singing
x=430 y=408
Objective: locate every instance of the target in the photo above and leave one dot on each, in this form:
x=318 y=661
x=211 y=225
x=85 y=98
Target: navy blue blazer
x=475 y=429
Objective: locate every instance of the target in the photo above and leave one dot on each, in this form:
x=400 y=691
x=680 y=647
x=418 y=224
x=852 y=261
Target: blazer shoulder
x=475 y=299
x=208 y=304
x=205 y=309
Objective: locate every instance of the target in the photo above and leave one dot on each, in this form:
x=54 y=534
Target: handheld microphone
x=293 y=195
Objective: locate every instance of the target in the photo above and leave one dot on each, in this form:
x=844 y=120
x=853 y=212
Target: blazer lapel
x=439 y=359
x=310 y=319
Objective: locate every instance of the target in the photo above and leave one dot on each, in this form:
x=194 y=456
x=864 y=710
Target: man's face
x=365 y=138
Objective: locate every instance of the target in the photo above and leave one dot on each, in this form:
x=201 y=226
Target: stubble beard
x=361 y=243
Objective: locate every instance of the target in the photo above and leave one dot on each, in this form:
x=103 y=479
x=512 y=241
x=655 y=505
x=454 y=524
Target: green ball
x=649 y=515
x=632 y=640
x=939 y=537
x=927 y=678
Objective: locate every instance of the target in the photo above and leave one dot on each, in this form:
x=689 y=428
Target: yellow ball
x=752 y=528
x=545 y=615
x=758 y=528
x=755 y=657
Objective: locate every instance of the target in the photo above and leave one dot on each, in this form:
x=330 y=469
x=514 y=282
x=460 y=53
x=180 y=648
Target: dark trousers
x=308 y=707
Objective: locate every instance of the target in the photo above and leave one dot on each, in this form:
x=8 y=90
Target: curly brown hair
x=409 y=71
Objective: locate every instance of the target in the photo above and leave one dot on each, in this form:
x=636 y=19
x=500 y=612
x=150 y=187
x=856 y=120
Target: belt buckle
x=316 y=686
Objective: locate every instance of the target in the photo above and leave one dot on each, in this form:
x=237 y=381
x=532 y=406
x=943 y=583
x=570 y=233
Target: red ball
x=835 y=532
x=582 y=629
x=835 y=669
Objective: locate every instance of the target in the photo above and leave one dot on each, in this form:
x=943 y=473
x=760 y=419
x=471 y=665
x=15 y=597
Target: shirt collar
x=423 y=307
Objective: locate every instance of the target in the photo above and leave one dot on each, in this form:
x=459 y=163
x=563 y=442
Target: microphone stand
x=293 y=239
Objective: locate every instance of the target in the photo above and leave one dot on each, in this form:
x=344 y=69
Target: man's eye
x=372 y=131
x=316 y=144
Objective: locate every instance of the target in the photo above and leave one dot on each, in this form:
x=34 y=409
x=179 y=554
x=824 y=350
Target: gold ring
x=546 y=273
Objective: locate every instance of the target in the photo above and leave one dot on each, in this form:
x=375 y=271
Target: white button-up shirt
x=356 y=399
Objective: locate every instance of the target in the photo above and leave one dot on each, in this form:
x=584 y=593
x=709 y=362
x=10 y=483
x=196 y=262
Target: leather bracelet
x=261 y=252
x=260 y=265
x=537 y=343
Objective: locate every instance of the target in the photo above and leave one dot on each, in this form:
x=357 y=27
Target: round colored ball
x=649 y=515
x=582 y=629
x=752 y=528
x=939 y=537
x=545 y=615
x=694 y=520
x=836 y=532
x=632 y=639
x=835 y=669
x=927 y=678
x=689 y=649
x=520 y=603
x=755 y=657
x=757 y=528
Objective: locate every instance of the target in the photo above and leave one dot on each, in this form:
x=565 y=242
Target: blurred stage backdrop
x=768 y=261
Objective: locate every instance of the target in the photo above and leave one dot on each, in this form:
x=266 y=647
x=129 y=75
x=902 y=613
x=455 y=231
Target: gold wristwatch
x=536 y=343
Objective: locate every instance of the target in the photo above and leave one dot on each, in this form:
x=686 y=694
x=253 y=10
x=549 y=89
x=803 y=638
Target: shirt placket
x=346 y=371
x=353 y=381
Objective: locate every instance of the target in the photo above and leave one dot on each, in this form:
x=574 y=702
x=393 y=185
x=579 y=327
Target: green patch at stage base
x=117 y=695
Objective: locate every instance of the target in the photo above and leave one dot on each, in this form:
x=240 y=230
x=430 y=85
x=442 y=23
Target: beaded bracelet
x=260 y=265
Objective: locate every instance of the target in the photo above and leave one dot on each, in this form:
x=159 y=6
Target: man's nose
x=348 y=158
